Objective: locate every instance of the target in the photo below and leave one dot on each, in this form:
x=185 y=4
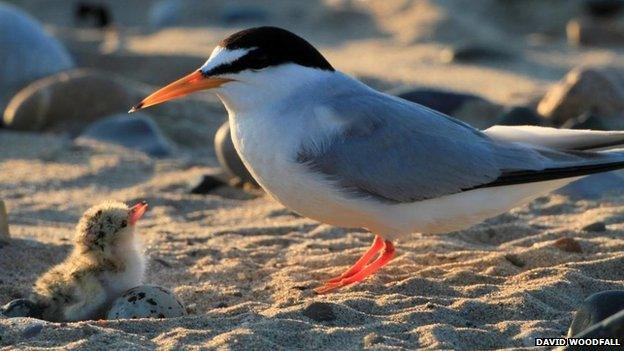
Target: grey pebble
x=320 y=312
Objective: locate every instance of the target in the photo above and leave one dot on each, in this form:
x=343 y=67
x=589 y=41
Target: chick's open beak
x=184 y=86
x=136 y=212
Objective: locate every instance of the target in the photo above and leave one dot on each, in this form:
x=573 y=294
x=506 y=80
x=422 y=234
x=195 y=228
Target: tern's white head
x=251 y=68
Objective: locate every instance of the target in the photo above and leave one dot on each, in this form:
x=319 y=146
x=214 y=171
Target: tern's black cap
x=270 y=46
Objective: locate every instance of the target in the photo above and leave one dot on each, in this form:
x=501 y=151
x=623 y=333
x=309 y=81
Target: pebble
x=320 y=312
x=568 y=245
x=599 y=90
x=5 y=235
x=147 y=301
x=68 y=101
x=21 y=308
x=228 y=156
x=474 y=53
x=596 y=308
x=515 y=260
x=595 y=227
x=137 y=131
x=480 y=114
x=519 y=116
x=587 y=120
x=28 y=53
x=443 y=101
x=595 y=32
x=206 y=183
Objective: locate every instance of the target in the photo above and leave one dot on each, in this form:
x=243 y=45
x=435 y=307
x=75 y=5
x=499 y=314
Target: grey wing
x=398 y=151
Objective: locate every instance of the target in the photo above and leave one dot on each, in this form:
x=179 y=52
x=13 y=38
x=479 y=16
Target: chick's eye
x=124 y=223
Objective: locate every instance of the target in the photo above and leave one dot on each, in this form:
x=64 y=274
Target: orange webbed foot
x=363 y=267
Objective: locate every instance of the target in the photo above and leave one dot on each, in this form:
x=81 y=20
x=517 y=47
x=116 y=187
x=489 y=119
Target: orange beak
x=191 y=83
x=136 y=212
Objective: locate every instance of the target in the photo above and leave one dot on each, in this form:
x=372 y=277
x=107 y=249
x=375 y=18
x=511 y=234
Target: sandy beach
x=243 y=264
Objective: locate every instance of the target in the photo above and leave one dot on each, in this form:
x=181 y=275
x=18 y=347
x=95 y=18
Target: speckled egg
x=146 y=301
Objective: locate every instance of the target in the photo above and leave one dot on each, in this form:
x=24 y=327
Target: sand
x=245 y=266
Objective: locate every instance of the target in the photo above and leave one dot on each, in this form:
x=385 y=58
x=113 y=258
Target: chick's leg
x=90 y=297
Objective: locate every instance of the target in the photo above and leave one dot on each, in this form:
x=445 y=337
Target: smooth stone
x=206 y=183
x=28 y=53
x=147 y=301
x=596 y=308
x=21 y=308
x=599 y=90
x=587 y=120
x=5 y=234
x=480 y=114
x=568 y=245
x=598 y=227
x=603 y=8
x=239 y=13
x=519 y=116
x=32 y=330
x=136 y=131
x=595 y=32
x=320 y=312
x=92 y=15
x=608 y=329
x=474 y=53
x=228 y=156
x=68 y=101
x=440 y=100
x=594 y=187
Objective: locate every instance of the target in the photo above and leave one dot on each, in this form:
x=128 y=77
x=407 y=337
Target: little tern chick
x=335 y=150
x=107 y=259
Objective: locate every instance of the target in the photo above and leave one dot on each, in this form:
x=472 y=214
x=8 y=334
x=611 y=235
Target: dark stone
x=596 y=308
x=587 y=120
x=519 y=116
x=568 y=245
x=32 y=330
x=603 y=8
x=136 y=131
x=206 y=183
x=92 y=15
x=21 y=308
x=239 y=13
x=594 y=187
x=474 y=53
x=595 y=227
x=440 y=100
x=320 y=312
x=228 y=156
x=515 y=260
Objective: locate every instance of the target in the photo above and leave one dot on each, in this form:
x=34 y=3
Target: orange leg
x=362 y=268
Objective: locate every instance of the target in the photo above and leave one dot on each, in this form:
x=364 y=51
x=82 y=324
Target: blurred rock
x=320 y=312
x=92 y=15
x=599 y=90
x=598 y=227
x=587 y=120
x=604 y=8
x=478 y=113
x=568 y=245
x=5 y=234
x=68 y=101
x=596 y=308
x=594 y=187
x=147 y=301
x=228 y=157
x=137 y=131
x=443 y=101
x=21 y=308
x=233 y=13
x=474 y=53
x=28 y=53
x=519 y=116
x=595 y=32
x=608 y=330
x=206 y=183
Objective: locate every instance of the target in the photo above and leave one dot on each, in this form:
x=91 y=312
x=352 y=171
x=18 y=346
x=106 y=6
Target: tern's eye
x=124 y=223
